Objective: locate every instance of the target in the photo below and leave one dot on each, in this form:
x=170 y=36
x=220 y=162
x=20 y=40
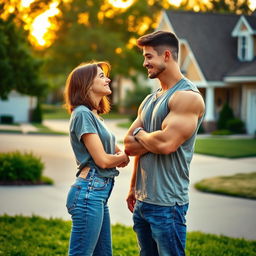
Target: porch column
x=209 y=104
x=209 y=120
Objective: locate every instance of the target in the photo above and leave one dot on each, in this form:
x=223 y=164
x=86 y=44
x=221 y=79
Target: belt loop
x=92 y=171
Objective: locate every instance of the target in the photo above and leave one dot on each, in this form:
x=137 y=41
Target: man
x=162 y=140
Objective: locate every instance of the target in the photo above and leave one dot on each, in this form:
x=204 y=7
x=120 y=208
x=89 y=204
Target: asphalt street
x=208 y=213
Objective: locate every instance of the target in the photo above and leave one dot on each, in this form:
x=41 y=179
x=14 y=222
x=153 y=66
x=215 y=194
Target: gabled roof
x=244 y=69
x=210 y=39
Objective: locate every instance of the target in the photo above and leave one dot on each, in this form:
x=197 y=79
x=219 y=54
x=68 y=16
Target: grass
x=125 y=125
x=10 y=131
x=225 y=147
x=54 y=112
x=239 y=185
x=36 y=236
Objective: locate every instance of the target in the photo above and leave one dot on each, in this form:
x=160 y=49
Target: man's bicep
x=179 y=126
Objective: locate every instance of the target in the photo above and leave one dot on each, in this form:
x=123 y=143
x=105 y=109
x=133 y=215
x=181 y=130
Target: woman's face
x=100 y=86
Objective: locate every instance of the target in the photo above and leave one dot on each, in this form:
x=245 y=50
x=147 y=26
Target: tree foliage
x=19 y=70
x=233 y=6
x=95 y=30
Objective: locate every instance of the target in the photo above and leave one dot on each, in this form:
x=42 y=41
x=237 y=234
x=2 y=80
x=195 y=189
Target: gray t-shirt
x=164 y=179
x=83 y=121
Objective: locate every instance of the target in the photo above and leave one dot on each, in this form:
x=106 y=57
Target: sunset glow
x=121 y=3
x=41 y=24
x=41 y=28
x=175 y=2
x=253 y=4
x=26 y=3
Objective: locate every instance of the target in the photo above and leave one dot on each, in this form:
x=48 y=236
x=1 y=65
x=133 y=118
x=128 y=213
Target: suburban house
x=17 y=107
x=218 y=53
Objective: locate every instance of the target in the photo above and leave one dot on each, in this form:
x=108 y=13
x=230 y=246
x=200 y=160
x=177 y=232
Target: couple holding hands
x=161 y=139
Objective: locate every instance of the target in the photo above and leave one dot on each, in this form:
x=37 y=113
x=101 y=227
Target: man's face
x=153 y=62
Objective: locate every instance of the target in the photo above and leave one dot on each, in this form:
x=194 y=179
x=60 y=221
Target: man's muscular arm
x=178 y=126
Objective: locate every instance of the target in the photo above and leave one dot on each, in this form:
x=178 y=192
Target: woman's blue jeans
x=87 y=204
x=161 y=230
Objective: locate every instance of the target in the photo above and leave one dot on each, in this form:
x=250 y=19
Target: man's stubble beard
x=157 y=73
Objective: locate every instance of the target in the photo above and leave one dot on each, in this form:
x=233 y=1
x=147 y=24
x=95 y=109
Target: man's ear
x=167 y=55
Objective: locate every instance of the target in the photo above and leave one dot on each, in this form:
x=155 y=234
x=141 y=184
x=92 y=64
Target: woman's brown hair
x=77 y=87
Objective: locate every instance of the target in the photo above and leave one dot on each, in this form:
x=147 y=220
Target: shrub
x=221 y=132
x=16 y=166
x=6 y=119
x=201 y=129
x=235 y=125
x=37 y=115
x=225 y=114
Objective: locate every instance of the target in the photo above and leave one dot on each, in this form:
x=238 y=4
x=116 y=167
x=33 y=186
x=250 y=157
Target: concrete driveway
x=208 y=213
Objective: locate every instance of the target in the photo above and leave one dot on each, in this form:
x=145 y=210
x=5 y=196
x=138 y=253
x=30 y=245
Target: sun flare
x=175 y=2
x=121 y=3
x=252 y=4
x=42 y=24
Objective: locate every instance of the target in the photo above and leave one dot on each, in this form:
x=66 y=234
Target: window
x=243 y=48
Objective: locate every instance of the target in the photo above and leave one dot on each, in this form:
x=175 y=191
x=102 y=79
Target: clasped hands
x=127 y=159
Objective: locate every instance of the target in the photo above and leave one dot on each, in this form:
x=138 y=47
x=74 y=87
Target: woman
x=97 y=157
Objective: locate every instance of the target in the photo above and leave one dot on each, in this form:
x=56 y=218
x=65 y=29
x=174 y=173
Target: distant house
x=17 y=107
x=218 y=53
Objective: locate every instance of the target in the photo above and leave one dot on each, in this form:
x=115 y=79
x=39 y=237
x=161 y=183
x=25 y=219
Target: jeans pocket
x=72 y=197
x=99 y=183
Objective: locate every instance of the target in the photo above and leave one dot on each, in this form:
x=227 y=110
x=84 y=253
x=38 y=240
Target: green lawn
x=239 y=185
x=226 y=147
x=54 y=112
x=35 y=236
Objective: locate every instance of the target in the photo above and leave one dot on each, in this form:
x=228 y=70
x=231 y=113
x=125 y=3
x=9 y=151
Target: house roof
x=252 y=21
x=244 y=69
x=210 y=39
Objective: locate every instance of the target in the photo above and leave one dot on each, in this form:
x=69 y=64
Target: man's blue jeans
x=161 y=230
x=87 y=204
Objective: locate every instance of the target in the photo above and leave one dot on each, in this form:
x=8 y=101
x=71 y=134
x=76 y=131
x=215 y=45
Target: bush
x=6 y=119
x=15 y=166
x=225 y=114
x=235 y=125
x=37 y=115
x=201 y=129
x=221 y=132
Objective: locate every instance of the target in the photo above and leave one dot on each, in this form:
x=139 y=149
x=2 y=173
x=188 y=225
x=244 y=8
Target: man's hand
x=131 y=200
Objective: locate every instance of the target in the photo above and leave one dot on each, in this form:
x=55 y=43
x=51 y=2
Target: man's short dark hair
x=159 y=39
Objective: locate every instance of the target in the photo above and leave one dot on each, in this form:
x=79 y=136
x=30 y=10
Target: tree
x=232 y=6
x=96 y=30
x=19 y=70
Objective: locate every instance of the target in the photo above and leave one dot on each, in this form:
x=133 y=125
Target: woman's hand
x=127 y=160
